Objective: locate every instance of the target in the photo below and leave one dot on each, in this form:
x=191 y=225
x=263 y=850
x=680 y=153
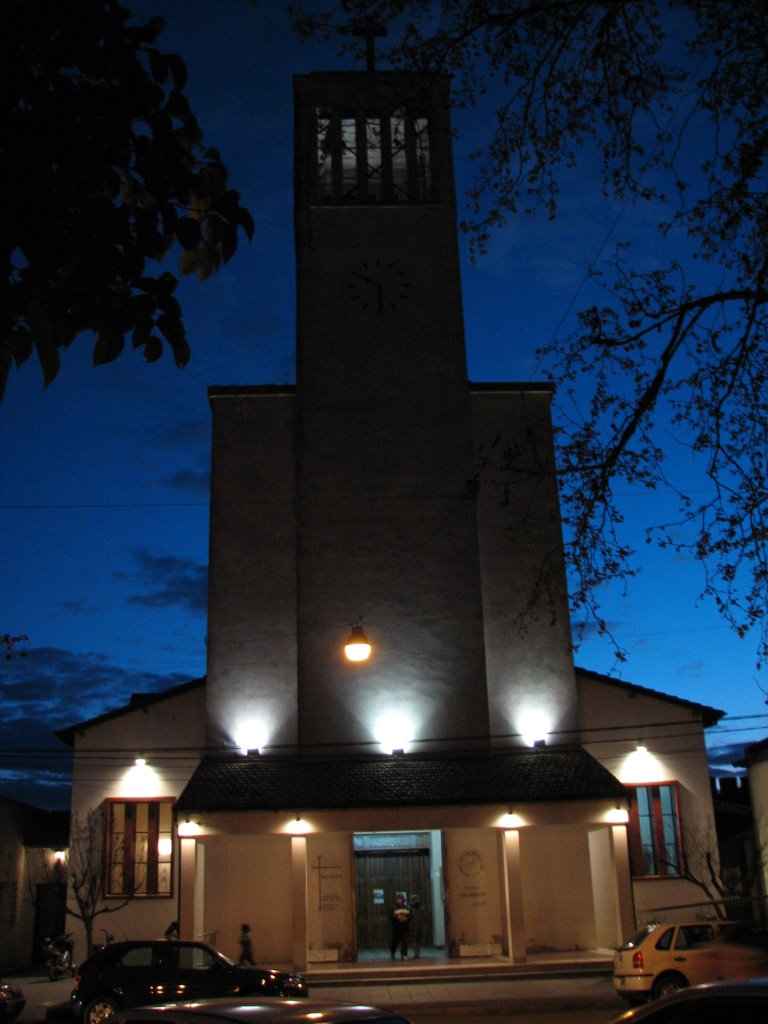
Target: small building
x=33 y=887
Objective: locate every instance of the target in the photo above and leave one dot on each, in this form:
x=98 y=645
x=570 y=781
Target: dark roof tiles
x=272 y=782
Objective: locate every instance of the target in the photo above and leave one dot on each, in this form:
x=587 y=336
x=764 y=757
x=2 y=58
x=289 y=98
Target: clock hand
x=368 y=280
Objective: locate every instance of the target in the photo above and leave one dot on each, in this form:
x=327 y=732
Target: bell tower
x=387 y=534
x=383 y=490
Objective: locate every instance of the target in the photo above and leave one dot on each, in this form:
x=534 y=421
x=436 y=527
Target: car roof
x=286 y=1011
x=157 y=942
x=745 y=987
x=685 y=923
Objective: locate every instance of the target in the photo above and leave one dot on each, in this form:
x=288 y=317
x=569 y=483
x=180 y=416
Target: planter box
x=479 y=949
x=317 y=956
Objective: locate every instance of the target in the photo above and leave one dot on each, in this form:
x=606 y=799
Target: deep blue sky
x=104 y=514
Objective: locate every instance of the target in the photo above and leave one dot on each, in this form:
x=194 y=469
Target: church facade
x=530 y=805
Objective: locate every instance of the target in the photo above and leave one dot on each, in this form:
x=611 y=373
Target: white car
x=662 y=958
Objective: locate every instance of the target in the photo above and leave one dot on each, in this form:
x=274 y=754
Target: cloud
x=48 y=690
x=588 y=629
x=80 y=606
x=693 y=668
x=189 y=480
x=193 y=432
x=173 y=582
x=726 y=756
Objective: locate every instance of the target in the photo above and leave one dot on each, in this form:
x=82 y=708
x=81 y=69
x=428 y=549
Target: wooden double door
x=381 y=875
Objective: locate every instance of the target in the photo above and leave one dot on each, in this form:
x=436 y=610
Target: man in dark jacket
x=400 y=916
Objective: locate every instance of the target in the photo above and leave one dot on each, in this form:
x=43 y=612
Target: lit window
x=373 y=158
x=654 y=831
x=140 y=843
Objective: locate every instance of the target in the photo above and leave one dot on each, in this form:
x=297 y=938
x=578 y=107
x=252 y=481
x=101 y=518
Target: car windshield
x=639 y=937
x=221 y=956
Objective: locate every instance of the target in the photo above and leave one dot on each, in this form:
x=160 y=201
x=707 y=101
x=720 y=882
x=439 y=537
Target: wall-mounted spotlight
x=358 y=646
x=188 y=828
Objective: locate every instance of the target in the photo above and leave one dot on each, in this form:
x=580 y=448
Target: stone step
x=415 y=972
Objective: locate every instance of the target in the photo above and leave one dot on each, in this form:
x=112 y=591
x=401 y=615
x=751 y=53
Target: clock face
x=378 y=286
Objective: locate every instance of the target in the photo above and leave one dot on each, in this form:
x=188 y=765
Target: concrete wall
x=330 y=895
x=248 y=881
x=557 y=889
x=252 y=570
x=473 y=880
x=531 y=687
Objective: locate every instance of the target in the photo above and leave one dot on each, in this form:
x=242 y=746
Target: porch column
x=187 y=873
x=625 y=904
x=300 y=896
x=513 y=918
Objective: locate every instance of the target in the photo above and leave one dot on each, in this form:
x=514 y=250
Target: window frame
x=659 y=821
x=153 y=862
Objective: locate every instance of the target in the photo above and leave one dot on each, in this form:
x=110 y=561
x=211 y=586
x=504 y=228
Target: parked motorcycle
x=58 y=957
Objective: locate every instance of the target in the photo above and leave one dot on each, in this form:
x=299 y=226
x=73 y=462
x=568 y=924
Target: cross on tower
x=369 y=29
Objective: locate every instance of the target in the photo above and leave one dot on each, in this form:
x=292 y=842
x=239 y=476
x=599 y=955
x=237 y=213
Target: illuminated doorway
x=392 y=863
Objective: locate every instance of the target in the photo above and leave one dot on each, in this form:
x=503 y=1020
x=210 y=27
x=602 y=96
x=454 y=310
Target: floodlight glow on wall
x=189 y=828
x=510 y=820
x=641 y=766
x=534 y=724
x=251 y=735
x=298 y=827
x=358 y=646
x=394 y=731
x=140 y=780
x=617 y=816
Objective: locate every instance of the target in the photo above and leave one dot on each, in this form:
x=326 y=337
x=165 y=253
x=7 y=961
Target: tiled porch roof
x=272 y=782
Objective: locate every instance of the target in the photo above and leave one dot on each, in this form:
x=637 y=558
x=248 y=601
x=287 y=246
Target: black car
x=12 y=1002
x=129 y=974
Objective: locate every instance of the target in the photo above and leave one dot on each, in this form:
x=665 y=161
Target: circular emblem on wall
x=471 y=864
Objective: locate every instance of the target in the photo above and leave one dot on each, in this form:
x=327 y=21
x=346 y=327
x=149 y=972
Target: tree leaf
x=188 y=232
x=109 y=345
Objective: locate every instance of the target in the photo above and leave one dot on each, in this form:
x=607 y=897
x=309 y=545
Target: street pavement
x=513 y=995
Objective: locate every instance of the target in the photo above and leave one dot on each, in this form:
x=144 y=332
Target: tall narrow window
x=374 y=161
x=397 y=132
x=373 y=158
x=422 y=163
x=348 y=156
x=654 y=831
x=140 y=845
x=324 y=156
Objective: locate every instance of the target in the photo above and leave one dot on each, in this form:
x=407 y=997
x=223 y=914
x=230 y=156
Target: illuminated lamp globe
x=358 y=646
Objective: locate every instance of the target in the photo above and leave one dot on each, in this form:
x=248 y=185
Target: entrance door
x=50 y=915
x=381 y=875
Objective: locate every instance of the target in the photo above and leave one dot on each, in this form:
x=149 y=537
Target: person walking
x=417 y=925
x=246 y=946
x=399 y=916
